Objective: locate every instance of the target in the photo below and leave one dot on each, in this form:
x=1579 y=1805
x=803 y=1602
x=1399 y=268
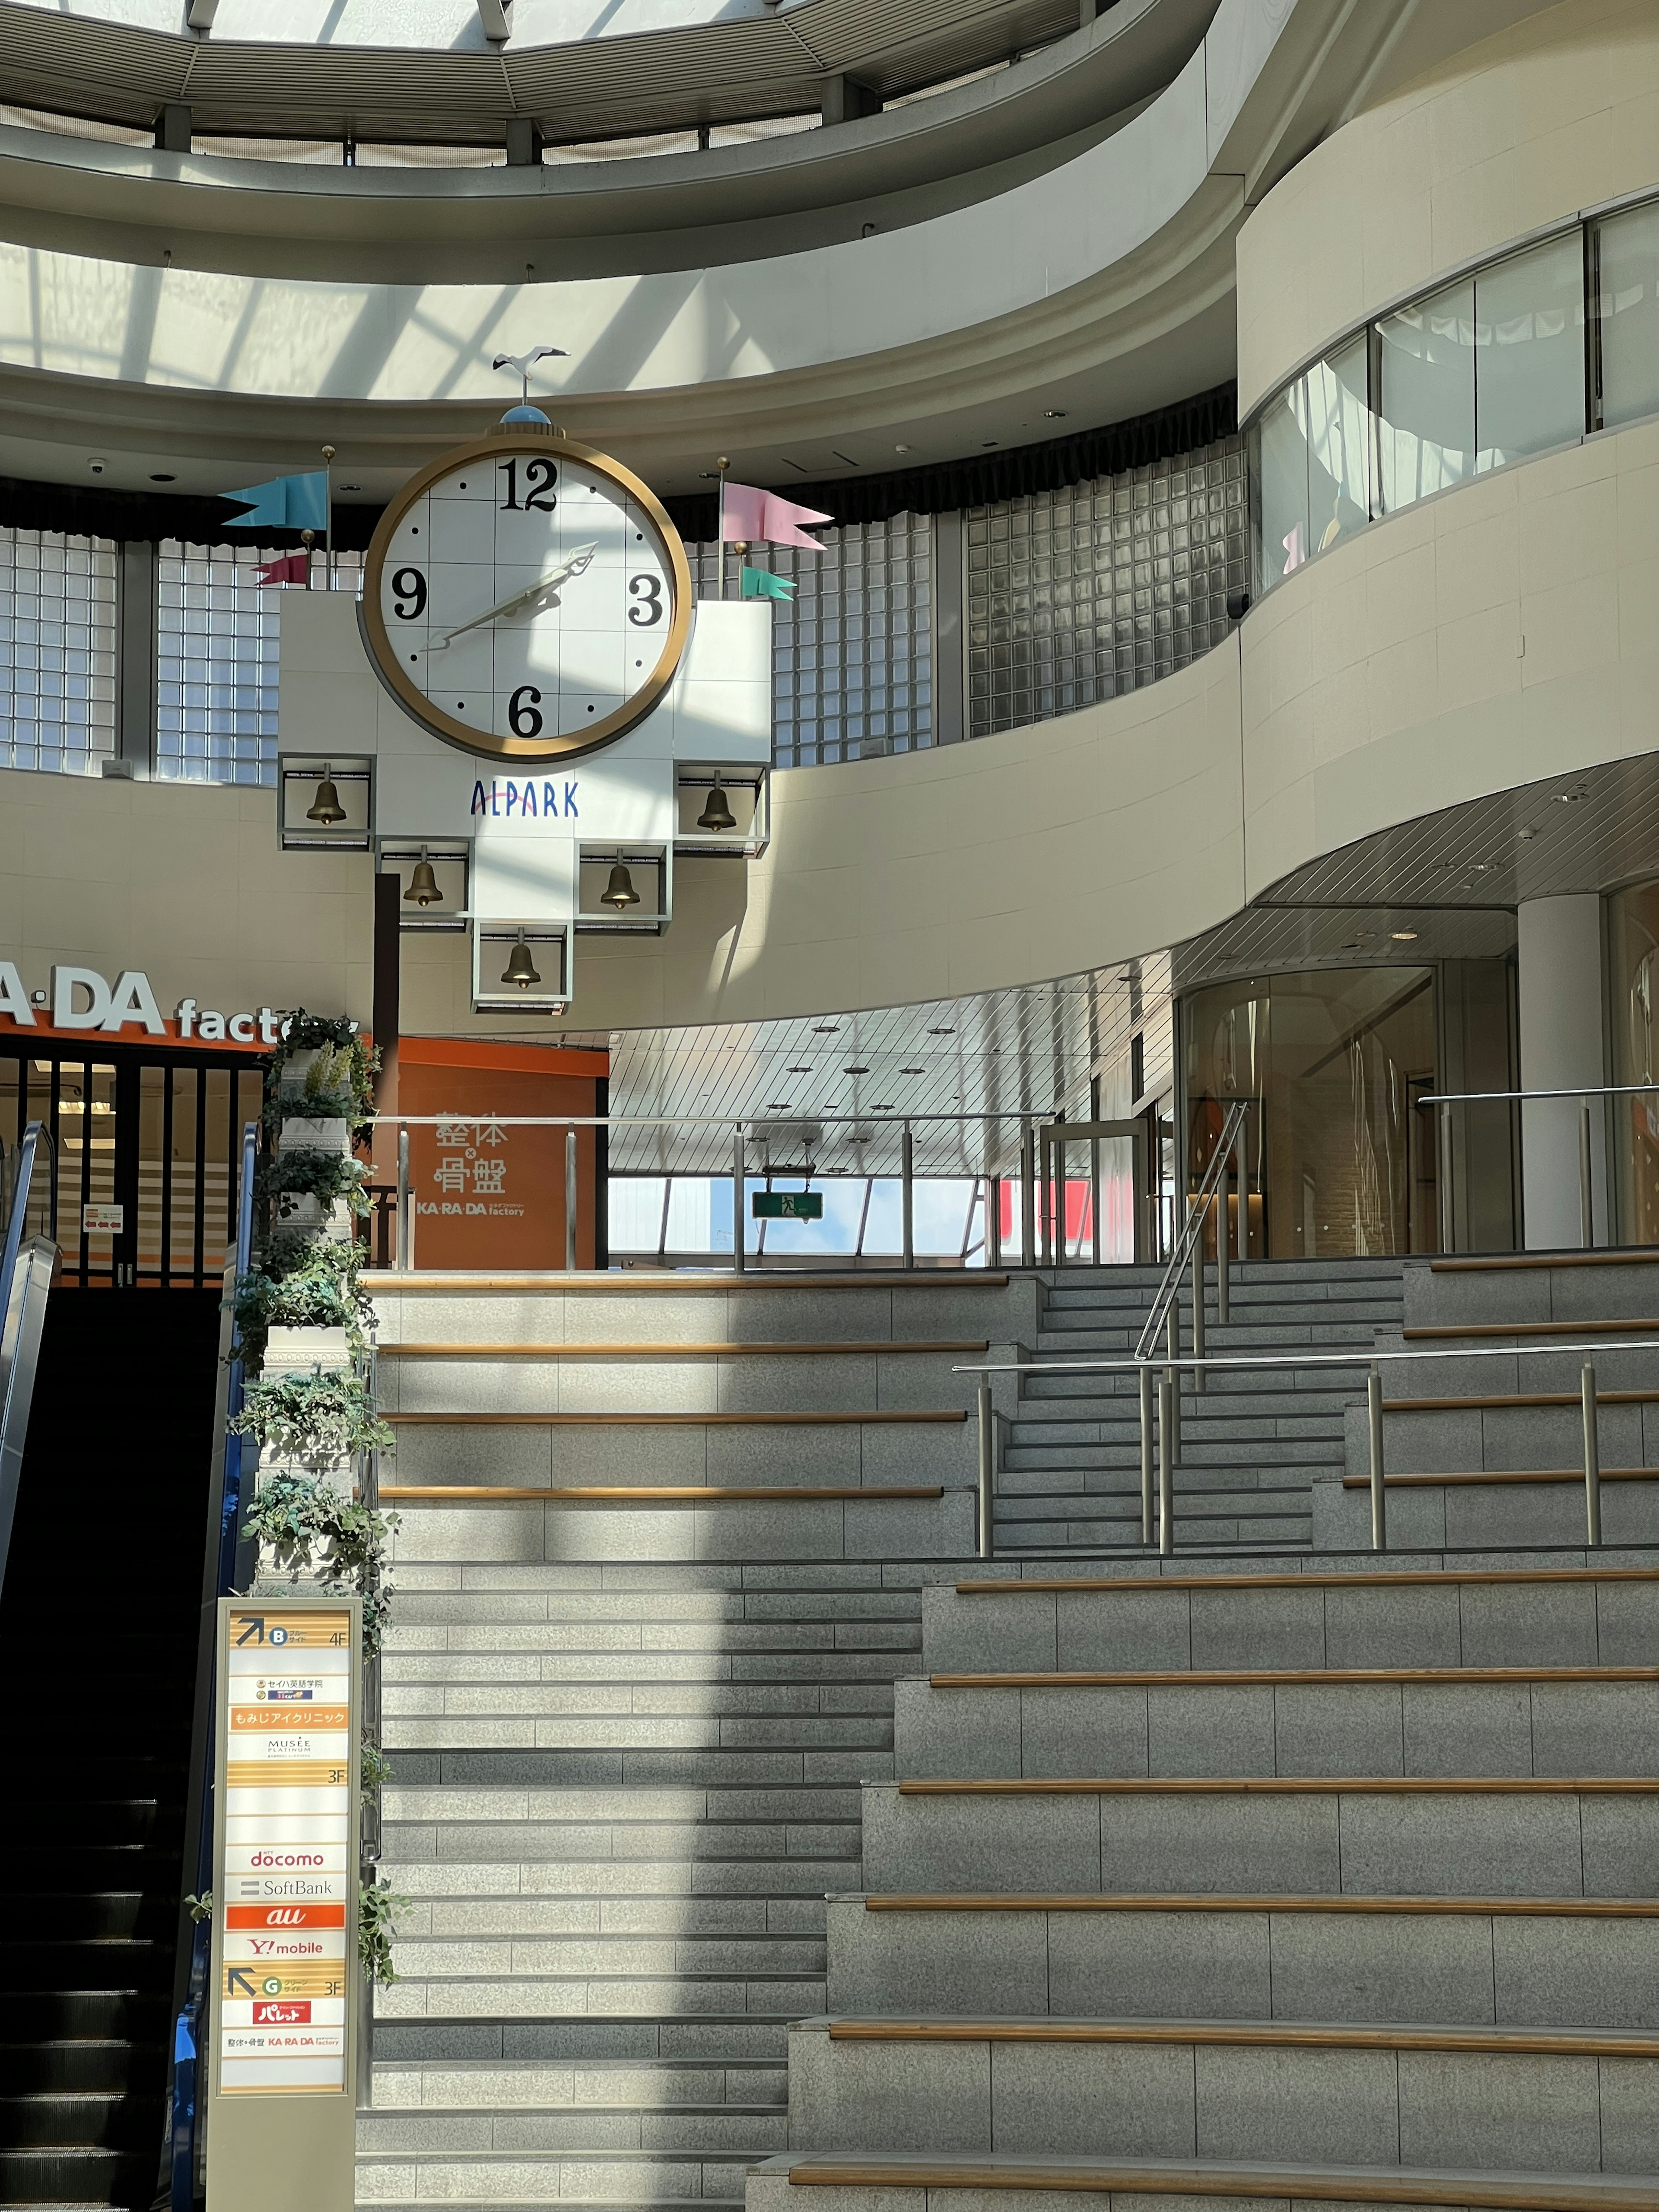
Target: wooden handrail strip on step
x=632 y=1283
x=1502 y=1476
x=1509 y=1262
x=1498 y=1400
x=846 y=1349
x=1274 y=2034
x=1289 y=1678
x=1138 y=1583
x=1323 y=2184
x=1552 y=1908
x=1531 y=1328
x=1314 y=1785
x=697 y=1492
x=665 y=1420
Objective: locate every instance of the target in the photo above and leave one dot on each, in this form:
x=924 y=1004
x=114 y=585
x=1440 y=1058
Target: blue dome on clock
x=526 y=414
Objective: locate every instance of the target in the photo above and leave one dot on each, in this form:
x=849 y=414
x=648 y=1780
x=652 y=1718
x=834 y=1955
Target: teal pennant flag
x=285 y=503
x=762 y=584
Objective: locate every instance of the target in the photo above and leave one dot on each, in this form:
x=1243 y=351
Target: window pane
x=1339 y=447
x=1529 y=352
x=1283 y=484
x=57 y=650
x=1630 y=315
x=1426 y=399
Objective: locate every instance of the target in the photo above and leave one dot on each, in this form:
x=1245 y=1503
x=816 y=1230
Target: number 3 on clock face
x=526 y=598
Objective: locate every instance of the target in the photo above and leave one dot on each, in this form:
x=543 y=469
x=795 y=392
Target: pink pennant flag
x=752 y=517
x=290 y=569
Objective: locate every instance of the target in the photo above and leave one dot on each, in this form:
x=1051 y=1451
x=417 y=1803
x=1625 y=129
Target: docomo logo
x=82 y=999
x=287 y=1859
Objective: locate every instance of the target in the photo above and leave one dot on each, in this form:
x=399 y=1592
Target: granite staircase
x=661 y=1555
x=1302 y=1881
x=1252 y=1446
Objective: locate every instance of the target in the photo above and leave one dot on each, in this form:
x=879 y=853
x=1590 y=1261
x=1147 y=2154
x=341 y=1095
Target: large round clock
x=526 y=598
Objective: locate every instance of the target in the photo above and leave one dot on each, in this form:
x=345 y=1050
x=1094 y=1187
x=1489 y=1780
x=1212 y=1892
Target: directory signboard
x=284 y=1898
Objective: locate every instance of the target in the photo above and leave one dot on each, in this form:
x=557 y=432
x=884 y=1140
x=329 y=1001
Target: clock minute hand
x=543 y=585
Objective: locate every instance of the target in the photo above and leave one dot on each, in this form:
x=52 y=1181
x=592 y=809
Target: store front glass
x=1340 y=1161
x=1633 y=961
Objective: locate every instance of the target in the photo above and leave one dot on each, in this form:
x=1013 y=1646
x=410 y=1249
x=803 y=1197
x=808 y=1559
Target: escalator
x=98 y=1619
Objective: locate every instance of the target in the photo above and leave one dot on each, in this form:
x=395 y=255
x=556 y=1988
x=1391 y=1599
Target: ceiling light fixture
x=1403 y=936
x=943 y=1032
x=855 y=1071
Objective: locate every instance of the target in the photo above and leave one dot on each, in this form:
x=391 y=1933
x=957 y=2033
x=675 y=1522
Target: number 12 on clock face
x=528 y=596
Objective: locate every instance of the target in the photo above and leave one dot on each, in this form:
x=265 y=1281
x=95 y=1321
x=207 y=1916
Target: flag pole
x=328 y=511
x=722 y=464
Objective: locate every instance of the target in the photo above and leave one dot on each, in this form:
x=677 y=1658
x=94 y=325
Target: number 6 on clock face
x=526 y=598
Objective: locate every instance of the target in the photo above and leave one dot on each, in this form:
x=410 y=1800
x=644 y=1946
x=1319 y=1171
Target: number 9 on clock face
x=528 y=599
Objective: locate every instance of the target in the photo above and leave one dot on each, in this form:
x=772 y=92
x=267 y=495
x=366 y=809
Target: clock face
x=526 y=598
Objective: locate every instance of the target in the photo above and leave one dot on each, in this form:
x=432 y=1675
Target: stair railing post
x=1242 y=1166
x=738 y=1172
x=1166 y=1421
x=1223 y=1243
x=987 y=1472
x=908 y=1197
x=1172 y=1330
x=994 y=1222
x=1147 y=1449
x=1379 y=1495
x=570 y=1201
x=1444 y=1165
x=1592 y=1458
x=1198 y=1313
x=1586 y=1215
x=405 y=1205
x=1027 y=1199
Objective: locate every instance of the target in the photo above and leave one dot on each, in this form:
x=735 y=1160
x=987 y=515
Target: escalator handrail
x=26 y=1271
x=20 y=1202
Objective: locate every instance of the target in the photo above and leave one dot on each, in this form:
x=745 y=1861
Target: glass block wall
x=852 y=654
x=216 y=660
x=1075 y=595
x=57 y=628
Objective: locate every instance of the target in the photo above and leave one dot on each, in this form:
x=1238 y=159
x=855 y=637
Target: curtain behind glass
x=1281 y=486
x=1630 y=315
x=1529 y=352
x=1426 y=399
x=1340 y=445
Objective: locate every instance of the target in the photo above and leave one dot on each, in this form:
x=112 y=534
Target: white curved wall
x=1558 y=113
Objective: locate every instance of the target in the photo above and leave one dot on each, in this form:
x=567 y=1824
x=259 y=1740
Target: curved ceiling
x=1095 y=289
x=597 y=218
x=764 y=61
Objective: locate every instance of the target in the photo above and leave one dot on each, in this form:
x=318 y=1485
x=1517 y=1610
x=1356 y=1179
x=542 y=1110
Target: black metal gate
x=138 y=1182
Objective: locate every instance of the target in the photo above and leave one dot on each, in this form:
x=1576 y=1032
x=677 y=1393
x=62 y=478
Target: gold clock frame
x=520 y=439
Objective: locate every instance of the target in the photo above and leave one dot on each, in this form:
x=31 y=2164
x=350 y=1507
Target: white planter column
x=1562 y=1043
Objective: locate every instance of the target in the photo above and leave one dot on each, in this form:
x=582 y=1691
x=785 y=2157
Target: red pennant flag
x=290 y=569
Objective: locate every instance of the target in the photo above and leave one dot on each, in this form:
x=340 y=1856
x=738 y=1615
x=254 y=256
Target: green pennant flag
x=762 y=584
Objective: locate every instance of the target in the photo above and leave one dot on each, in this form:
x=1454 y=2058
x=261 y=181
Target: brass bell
x=619 y=892
x=521 y=968
x=717 y=815
x=423 y=884
x=325 y=807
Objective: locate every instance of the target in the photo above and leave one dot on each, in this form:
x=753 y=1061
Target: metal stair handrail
x=1180 y=1257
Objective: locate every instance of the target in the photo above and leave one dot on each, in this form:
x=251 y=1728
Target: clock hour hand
x=541 y=592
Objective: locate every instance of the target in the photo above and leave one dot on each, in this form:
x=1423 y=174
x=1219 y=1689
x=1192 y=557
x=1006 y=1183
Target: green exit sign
x=786 y=1205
